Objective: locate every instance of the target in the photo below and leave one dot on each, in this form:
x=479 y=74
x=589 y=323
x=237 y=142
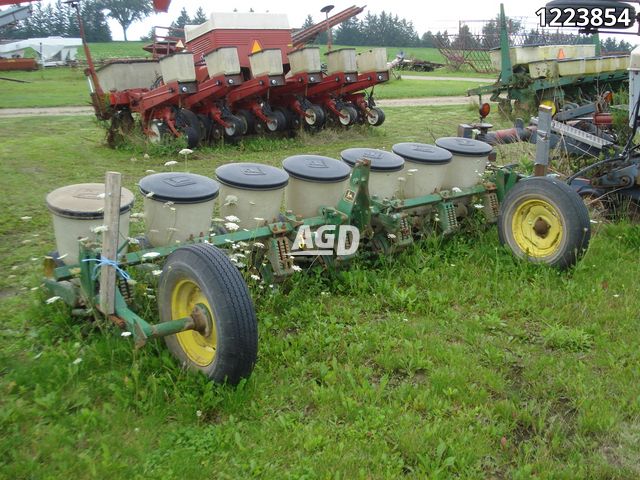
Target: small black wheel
x=201 y=278
x=545 y=221
x=206 y=127
x=277 y=122
x=348 y=115
x=375 y=117
x=235 y=126
x=217 y=133
x=249 y=120
x=314 y=117
x=292 y=120
x=188 y=124
x=157 y=131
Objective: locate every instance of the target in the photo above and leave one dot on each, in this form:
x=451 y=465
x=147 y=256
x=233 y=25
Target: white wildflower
x=391 y=236
x=258 y=245
x=100 y=229
x=478 y=205
x=53 y=300
x=232 y=227
x=255 y=277
x=230 y=200
x=146 y=156
x=296 y=268
x=185 y=152
x=77 y=361
x=198 y=413
x=616 y=295
x=125 y=334
x=170 y=163
x=25 y=219
x=156 y=273
x=232 y=218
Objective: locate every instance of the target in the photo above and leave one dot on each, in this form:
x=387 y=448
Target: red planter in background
x=161 y=5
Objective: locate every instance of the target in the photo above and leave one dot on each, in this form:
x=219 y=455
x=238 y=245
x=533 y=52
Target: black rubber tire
x=351 y=113
x=293 y=121
x=236 y=128
x=279 y=120
x=249 y=120
x=564 y=204
x=232 y=308
x=378 y=117
x=188 y=124
x=315 y=117
x=206 y=126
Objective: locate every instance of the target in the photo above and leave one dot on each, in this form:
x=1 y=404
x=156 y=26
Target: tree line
x=384 y=29
x=58 y=19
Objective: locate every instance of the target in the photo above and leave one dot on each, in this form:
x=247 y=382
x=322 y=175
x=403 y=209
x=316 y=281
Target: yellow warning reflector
x=256 y=47
x=179 y=45
x=561 y=55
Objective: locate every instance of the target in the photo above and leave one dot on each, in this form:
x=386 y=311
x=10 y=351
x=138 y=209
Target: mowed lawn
x=450 y=360
x=62 y=87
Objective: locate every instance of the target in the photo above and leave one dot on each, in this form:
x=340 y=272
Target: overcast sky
x=425 y=15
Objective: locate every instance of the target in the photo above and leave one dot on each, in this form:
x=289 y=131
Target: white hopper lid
x=84 y=201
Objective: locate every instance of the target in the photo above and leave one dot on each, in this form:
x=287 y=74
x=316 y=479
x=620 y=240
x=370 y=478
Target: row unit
x=178 y=207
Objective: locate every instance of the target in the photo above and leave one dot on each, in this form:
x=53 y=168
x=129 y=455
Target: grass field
x=451 y=360
x=60 y=87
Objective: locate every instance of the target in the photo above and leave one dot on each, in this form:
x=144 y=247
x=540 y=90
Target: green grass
x=52 y=87
x=451 y=360
x=419 y=88
x=60 y=87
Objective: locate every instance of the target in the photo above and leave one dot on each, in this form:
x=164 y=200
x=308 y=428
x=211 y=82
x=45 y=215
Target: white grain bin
x=385 y=172
x=223 y=61
x=77 y=210
x=305 y=60
x=374 y=60
x=177 y=207
x=266 y=62
x=251 y=191
x=470 y=158
x=178 y=67
x=425 y=167
x=341 y=60
x=315 y=181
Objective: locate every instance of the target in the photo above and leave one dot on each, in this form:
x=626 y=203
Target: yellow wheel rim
x=550 y=103
x=537 y=228
x=185 y=296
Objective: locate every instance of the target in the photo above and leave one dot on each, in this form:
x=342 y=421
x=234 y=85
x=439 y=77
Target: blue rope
x=105 y=262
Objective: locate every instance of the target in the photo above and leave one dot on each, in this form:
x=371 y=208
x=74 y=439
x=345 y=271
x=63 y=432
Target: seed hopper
x=370 y=202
